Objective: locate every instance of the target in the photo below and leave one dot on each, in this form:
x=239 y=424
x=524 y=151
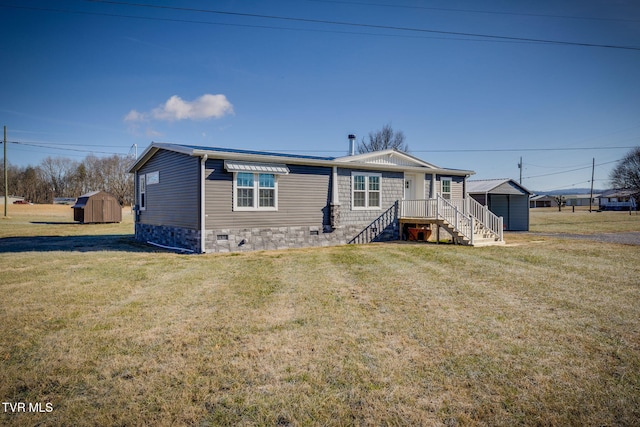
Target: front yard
x=540 y=331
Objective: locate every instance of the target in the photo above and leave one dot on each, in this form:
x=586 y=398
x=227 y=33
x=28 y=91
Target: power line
x=569 y=170
x=505 y=150
x=34 y=144
x=475 y=36
x=490 y=12
x=362 y=25
x=66 y=144
x=267 y=27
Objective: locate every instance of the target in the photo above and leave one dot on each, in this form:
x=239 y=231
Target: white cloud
x=134 y=116
x=205 y=107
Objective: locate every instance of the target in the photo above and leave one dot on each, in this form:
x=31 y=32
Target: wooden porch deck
x=467 y=221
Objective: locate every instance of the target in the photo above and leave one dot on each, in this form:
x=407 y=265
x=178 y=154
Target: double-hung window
x=255 y=191
x=245 y=187
x=255 y=184
x=446 y=188
x=142 y=192
x=366 y=190
x=266 y=190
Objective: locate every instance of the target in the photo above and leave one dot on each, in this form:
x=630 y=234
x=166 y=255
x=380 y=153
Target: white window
x=255 y=191
x=366 y=190
x=445 y=188
x=142 y=192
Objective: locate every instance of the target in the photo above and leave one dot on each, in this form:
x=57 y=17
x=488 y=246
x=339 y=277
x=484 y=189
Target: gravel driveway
x=628 y=238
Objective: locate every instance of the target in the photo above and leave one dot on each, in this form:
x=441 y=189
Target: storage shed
x=505 y=198
x=97 y=207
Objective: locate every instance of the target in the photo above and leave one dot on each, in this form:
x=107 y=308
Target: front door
x=408 y=188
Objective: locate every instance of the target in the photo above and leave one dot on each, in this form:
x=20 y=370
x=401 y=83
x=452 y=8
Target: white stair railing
x=490 y=220
x=461 y=222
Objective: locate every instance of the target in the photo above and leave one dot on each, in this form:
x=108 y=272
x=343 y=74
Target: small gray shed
x=505 y=198
x=97 y=207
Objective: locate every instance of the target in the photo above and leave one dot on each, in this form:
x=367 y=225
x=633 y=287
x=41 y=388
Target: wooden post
x=593 y=168
x=6 y=175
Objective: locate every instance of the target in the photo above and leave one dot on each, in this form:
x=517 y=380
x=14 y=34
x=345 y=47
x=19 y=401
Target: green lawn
x=536 y=332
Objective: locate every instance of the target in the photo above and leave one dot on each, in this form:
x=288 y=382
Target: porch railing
x=426 y=208
x=461 y=222
x=464 y=215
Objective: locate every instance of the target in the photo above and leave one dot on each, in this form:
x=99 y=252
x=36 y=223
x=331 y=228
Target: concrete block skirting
x=256 y=239
x=171 y=237
x=250 y=239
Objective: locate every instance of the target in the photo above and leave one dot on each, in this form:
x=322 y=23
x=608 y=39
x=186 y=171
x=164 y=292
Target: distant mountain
x=570 y=191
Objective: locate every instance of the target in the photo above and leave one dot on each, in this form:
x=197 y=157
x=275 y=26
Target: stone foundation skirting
x=171 y=237
x=251 y=239
x=256 y=239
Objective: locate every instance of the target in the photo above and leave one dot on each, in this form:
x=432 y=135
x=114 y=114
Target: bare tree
x=57 y=173
x=383 y=139
x=31 y=186
x=62 y=177
x=116 y=178
x=560 y=201
x=626 y=174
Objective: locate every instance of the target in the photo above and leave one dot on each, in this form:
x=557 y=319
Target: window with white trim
x=445 y=188
x=366 y=193
x=142 y=192
x=255 y=191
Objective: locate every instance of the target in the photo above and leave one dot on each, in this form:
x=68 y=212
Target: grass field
x=541 y=331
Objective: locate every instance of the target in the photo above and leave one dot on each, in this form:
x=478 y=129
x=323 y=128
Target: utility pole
x=6 y=175
x=593 y=169
x=520 y=167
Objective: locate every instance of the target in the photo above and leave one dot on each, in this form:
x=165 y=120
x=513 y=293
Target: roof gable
x=497 y=186
x=387 y=157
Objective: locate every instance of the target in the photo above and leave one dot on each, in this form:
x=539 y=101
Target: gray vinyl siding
x=457 y=186
x=174 y=201
x=499 y=205
x=391 y=187
x=519 y=213
x=303 y=199
x=514 y=210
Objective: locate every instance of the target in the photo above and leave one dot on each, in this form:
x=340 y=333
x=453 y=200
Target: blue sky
x=82 y=77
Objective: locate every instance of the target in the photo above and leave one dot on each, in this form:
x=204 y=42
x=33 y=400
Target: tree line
x=64 y=177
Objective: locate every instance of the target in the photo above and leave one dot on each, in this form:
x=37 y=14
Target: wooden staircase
x=468 y=222
x=482 y=236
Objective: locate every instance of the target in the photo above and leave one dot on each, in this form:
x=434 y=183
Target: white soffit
x=254 y=167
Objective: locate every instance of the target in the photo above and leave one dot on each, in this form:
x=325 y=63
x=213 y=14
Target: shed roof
x=618 y=193
x=496 y=186
x=82 y=200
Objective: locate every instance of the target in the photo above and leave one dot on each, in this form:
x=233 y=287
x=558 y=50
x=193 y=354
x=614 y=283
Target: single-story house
x=581 y=200
x=505 y=198
x=209 y=199
x=542 y=201
x=618 y=200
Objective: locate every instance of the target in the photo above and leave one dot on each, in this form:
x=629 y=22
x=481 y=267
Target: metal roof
x=487 y=185
x=268 y=157
x=238 y=166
